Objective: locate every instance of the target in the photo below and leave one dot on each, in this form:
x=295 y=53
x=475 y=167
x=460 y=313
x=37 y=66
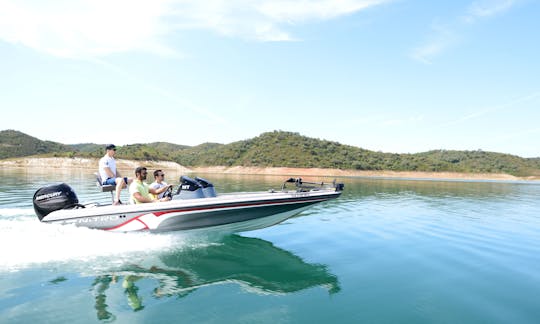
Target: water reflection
x=256 y=265
x=100 y=285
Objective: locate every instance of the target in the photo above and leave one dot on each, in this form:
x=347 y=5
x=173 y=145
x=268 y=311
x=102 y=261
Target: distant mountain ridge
x=281 y=149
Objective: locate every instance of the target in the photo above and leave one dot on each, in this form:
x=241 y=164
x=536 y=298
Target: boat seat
x=104 y=188
x=101 y=186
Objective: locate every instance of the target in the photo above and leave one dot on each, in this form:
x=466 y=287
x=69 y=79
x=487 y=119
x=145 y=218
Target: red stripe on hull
x=158 y=214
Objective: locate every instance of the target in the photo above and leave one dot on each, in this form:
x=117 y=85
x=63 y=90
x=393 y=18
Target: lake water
x=387 y=251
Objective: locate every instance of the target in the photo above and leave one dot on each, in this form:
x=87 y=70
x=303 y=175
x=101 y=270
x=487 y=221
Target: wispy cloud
x=93 y=28
x=83 y=28
x=487 y=8
x=445 y=36
x=479 y=113
x=298 y=11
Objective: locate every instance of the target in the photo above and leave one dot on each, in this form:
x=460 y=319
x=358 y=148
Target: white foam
x=10 y=212
x=26 y=242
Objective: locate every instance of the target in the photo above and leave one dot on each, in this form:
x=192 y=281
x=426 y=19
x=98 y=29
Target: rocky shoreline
x=84 y=163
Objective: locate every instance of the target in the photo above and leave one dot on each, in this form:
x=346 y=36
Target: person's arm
x=143 y=199
x=156 y=192
x=109 y=172
x=160 y=190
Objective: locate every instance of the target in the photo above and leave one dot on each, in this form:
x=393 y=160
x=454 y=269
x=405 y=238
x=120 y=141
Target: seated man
x=140 y=191
x=110 y=175
x=159 y=183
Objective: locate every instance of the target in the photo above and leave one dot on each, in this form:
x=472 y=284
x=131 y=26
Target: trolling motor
x=302 y=186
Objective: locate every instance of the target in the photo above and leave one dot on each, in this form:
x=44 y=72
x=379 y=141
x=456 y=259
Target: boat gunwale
x=198 y=204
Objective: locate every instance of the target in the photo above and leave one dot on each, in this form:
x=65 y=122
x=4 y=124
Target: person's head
x=140 y=173
x=110 y=149
x=159 y=175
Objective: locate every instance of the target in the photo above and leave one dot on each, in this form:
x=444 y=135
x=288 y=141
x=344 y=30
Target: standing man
x=110 y=175
x=140 y=191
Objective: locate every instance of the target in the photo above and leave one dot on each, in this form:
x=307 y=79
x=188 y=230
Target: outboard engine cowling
x=55 y=197
x=189 y=189
x=208 y=187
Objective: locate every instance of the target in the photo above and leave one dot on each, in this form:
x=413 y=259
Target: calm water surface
x=387 y=251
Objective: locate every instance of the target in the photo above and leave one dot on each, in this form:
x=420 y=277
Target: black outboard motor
x=55 y=197
x=208 y=187
x=189 y=189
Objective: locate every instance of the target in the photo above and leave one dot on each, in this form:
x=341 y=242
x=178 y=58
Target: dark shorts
x=112 y=181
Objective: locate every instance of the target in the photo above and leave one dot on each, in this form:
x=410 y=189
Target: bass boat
x=194 y=206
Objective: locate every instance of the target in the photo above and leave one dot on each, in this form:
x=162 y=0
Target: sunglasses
x=161 y=175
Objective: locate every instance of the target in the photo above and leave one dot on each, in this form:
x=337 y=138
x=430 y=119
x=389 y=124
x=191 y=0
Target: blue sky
x=397 y=76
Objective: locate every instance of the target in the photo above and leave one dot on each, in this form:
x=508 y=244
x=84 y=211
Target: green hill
x=535 y=162
x=274 y=149
x=16 y=144
x=282 y=149
x=87 y=147
x=154 y=151
x=480 y=161
x=287 y=149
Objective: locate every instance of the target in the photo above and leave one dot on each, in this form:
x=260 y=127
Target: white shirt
x=156 y=186
x=106 y=161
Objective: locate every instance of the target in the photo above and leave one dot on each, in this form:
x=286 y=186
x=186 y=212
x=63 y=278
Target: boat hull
x=225 y=213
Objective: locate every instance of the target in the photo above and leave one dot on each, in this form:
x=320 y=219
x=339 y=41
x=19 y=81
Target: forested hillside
x=17 y=144
x=286 y=149
x=282 y=149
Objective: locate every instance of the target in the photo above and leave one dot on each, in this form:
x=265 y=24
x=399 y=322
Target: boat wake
x=27 y=242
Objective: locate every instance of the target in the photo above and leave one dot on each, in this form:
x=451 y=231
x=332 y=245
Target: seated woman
x=139 y=190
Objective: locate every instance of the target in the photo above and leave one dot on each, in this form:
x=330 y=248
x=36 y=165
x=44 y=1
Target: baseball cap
x=110 y=147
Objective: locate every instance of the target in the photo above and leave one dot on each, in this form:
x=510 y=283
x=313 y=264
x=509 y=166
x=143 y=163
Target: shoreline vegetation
x=273 y=153
x=125 y=165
